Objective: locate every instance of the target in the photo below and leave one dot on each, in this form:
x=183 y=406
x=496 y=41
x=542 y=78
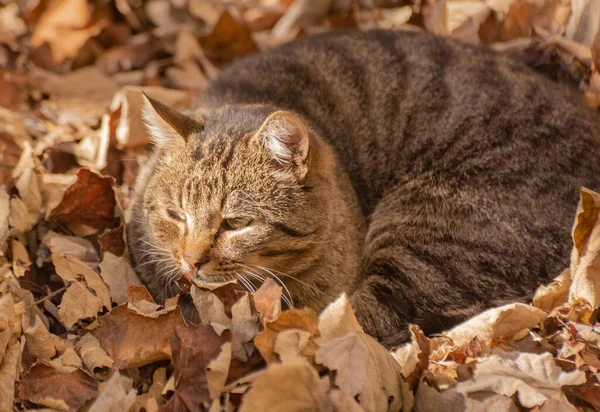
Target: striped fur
x=442 y=178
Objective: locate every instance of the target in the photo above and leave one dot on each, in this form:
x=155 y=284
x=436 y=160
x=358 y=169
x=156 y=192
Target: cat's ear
x=167 y=126
x=285 y=137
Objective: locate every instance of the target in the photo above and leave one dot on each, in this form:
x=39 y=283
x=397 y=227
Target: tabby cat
x=426 y=178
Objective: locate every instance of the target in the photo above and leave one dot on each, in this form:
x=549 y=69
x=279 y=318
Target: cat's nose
x=195 y=261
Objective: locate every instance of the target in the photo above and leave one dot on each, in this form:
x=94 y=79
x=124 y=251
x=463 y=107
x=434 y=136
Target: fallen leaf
x=9 y=372
x=4 y=213
x=89 y=201
x=67 y=24
x=7 y=322
x=112 y=241
x=585 y=281
x=81 y=249
x=71 y=269
x=117 y=394
x=301 y=14
x=503 y=322
x=94 y=357
x=534 y=378
x=302 y=319
x=267 y=300
x=228 y=40
x=194 y=349
x=78 y=303
x=133 y=340
x=555 y=294
x=292 y=387
x=40 y=343
x=46 y=385
x=118 y=275
x=338 y=319
x=365 y=369
x=20 y=256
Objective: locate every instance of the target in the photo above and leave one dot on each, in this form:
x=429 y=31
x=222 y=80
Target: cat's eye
x=176 y=215
x=238 y=222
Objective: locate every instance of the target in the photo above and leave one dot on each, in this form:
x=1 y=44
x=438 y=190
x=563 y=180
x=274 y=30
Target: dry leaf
x=7 y=322
x=4 y=213
x=40 y=343
x=49 y=386
x=67 y=24
x=81 y=249
x=70 y=269
x=9 y=372
x=364 y=368
x=267 y=300
x=503 y=322
x=20 y=258
x=89 y=201
x=134 y=340
x=112 y=241
x=194 y=349
x=118 y=275
x=78 y=303
x=555 y=294
x=534 y=378
x=293 y=387
x=229 y=39
x=302 y=319
x=338 y=319
x=94 y=358
x=301 y=14
x=117 y=394
x=586 y=240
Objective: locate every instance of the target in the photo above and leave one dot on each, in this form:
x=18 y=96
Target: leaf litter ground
x=79 y=331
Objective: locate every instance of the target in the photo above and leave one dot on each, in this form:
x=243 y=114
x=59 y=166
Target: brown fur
x=426 y=178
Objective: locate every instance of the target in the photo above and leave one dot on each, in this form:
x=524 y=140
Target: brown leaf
x=555 y=294
x=587 y=216
x=303 y=319
x=73 y=269
x=9 y=372
x=7 y=322
x=94 y=358
x=89 y=201
x=4 y=213
x=585 y=277
x=78 y=303
x=292 y=387
x=112 y=241
x=301 y=14
x=81 y=249
x=338 y=319
x=40 y=343
x=229 y=39
x=47 y=385
x=117 y=394
x=133 y=340
x=194 y=349
x=67 y=24
x=267 y=300
x=118 y=275
x=363 y=368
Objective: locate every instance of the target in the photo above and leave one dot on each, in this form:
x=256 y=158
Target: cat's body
x=441 y=179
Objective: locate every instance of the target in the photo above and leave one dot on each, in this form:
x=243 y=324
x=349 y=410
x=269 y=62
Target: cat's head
x=236 y=192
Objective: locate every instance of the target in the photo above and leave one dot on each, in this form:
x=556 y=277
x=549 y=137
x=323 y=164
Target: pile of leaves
x=79 y=331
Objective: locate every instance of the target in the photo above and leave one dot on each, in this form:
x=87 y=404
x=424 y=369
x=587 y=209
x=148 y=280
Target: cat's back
x=397 y=105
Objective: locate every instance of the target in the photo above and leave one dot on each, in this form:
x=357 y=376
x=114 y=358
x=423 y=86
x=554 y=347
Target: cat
x=426 y=178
